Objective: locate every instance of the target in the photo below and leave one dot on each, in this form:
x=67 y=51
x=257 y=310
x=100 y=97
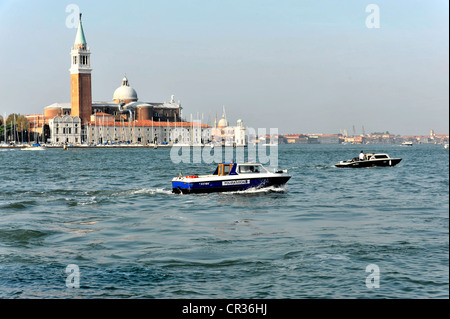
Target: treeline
x=16 y=129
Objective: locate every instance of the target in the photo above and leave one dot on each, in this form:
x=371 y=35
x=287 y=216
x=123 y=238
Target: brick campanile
x=80 y=78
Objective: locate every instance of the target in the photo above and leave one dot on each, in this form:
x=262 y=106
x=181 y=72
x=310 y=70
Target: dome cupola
x=223 y=121
x=125 y=93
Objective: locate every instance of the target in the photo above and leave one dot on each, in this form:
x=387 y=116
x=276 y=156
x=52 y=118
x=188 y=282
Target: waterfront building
x=66 y=129
x=354 y=139
x=313 y=139
x=328 y=138
x=223 y=134
x=295 y=139
x=146 y=132
x=36 y=123
x=124 y=119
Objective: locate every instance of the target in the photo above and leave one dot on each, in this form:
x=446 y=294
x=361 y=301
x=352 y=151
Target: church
x=125 y=119
x=226 y=135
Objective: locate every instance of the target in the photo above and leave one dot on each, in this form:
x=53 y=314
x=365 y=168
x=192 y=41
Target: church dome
x=125 y=93
x=223 y=123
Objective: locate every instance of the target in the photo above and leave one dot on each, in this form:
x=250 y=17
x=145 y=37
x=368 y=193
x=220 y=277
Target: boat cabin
x=371 y=156
x=379 y=156
x=225 y=169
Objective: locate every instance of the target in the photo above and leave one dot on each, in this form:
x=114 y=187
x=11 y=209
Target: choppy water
x=111 y=212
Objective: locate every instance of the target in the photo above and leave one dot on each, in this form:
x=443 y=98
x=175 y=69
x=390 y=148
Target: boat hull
x=227 y=185
x=370 y=163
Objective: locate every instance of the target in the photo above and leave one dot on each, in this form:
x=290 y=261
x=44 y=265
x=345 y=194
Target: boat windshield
x=223 y=169
x=250 y=169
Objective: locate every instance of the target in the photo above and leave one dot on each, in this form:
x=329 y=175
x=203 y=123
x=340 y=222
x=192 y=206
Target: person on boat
x=252 y=169
x=361 y=156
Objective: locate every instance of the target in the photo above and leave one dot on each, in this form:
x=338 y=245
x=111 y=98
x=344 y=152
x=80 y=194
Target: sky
x=298 y=66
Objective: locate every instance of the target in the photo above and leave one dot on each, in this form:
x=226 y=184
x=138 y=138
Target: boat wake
x=153 y=191
x=270 y=189
x=143 y=191
x=98 y=197
x=33 y=149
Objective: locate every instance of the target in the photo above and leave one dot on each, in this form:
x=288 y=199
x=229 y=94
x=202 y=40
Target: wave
x=23 y=237
x=19 y=204
x=332 y=257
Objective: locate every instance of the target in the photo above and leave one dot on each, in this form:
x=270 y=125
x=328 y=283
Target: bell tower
x=80 y=77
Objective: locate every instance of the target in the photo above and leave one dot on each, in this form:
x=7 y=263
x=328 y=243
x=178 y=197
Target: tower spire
x=80 y=39
x=224 y=116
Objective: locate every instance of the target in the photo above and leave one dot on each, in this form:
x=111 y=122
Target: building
x=355 y=139
x=66 y=129
x=124 y=119
x=36 y=124
x=223 y=134
x=295 y=138
x=103 y=131
x=328 y=138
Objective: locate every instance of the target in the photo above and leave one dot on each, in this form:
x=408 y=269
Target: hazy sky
x=299 y=66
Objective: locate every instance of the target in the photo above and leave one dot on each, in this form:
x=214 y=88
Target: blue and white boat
x=230 y=177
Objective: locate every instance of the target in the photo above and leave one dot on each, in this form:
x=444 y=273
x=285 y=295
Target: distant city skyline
x=299 y=66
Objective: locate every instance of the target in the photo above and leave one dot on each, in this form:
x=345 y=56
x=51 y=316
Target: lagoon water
x=111 y=213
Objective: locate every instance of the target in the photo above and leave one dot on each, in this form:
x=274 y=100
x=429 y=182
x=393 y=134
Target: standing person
x=361 y=156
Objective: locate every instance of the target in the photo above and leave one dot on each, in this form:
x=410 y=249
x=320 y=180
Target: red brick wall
x=81 y=96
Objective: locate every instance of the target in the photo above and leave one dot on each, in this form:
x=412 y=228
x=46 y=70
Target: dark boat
x=230 y=177
x=370 y=160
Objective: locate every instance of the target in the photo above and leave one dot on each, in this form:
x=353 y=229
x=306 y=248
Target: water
x=111 y=212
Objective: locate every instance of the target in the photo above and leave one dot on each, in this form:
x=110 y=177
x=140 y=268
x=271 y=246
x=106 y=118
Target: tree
x=8 y=129
x=10 y=118
x=22 y=123
x=20 y=130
